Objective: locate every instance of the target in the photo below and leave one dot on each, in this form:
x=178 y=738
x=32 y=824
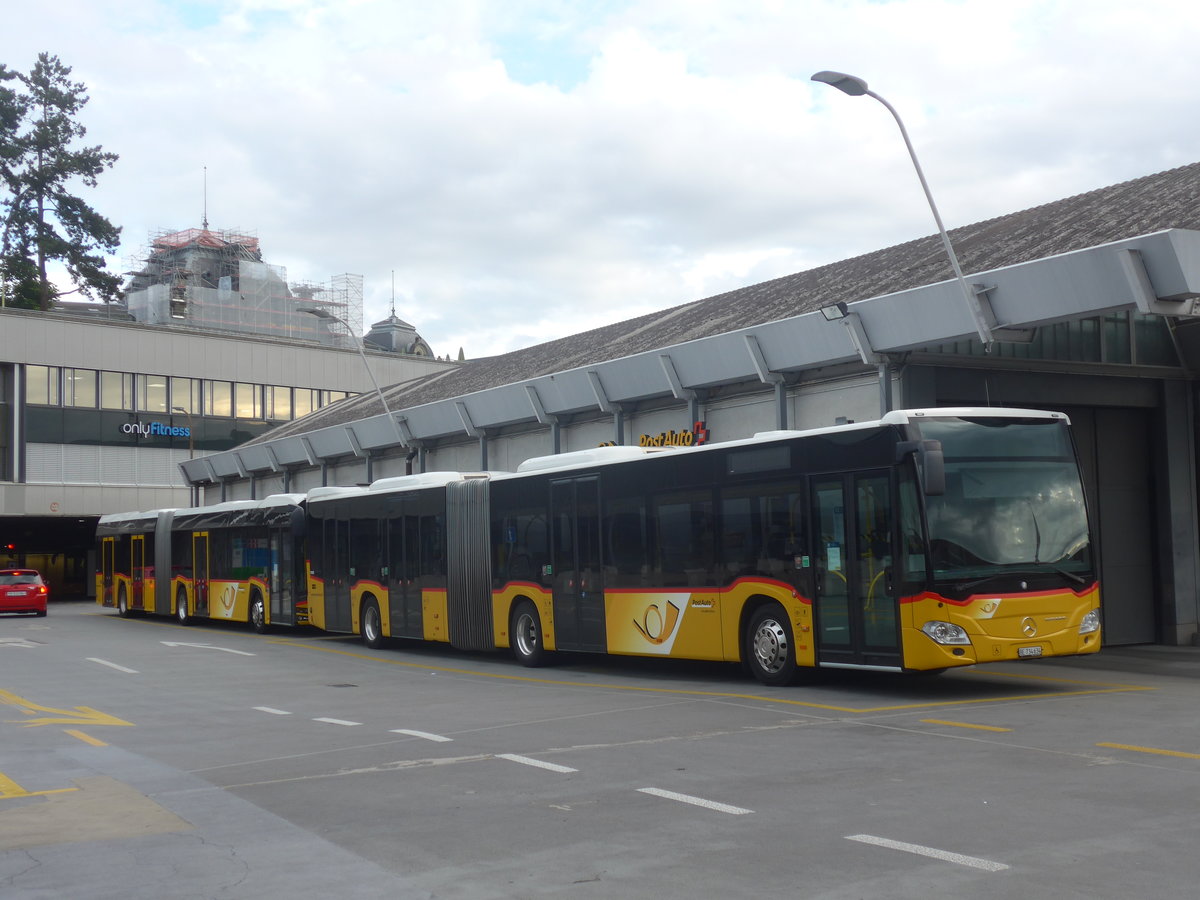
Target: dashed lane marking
x=973 y=862
x=113 y=665
x=964 y=725
x=541 y=764
x=425 y=735
x=336 y=721
x=1157 y=752
x=697 y=801
x=273 y=711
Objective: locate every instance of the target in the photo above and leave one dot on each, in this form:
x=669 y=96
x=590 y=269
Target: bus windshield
x=1013 y=501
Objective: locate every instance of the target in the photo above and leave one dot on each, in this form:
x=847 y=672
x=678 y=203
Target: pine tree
x=42 y=219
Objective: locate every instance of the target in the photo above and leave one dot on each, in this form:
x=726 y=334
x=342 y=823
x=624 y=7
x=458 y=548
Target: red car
x=23 y=591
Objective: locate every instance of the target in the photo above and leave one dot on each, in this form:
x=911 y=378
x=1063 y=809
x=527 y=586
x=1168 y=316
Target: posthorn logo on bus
x=155 y=429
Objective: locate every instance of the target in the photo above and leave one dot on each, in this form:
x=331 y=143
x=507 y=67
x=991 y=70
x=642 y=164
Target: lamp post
x=193 y=491
x=856 y=87
x=326 y=314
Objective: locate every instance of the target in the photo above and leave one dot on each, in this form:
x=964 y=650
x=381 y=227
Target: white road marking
x=944 y=855
x=16 y=642
x=206 y=647
x=113 y=665
x=335 y=721
x=421 y=734
x=697 y=801
x=273 y=711
x=527 y=761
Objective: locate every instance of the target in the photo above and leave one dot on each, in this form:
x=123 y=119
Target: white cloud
x=530 y=169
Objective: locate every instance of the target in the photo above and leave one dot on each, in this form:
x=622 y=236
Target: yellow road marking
x=80 y=715
x=1153 y=750
x=86 y=738
x=10 y=790
x=1096 y=687
x=964 y=725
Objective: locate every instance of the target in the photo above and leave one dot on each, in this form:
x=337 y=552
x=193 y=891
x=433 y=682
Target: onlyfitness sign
x=155 y=429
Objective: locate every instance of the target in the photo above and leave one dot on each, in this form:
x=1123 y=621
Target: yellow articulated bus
x=926 y=540
x=239 y=561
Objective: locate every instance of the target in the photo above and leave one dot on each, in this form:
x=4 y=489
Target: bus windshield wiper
x=1017 y=572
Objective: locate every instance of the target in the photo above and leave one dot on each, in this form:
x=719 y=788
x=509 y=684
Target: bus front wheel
x=258 y=614
x=525 y=635
x=372 y=625
x=770 y=649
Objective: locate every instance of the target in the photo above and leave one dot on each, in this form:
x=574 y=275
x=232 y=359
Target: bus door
x=856 y=616
x=108 y=548
x=200 y=573
x=279 y=576
x=137 y=570
x=578 y=581
x=337 y=571
x=404 y=570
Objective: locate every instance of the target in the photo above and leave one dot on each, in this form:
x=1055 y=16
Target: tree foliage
x=40 y=166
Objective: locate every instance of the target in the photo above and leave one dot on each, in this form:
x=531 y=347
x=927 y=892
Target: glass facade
x=86 y=406
x=1121 y=338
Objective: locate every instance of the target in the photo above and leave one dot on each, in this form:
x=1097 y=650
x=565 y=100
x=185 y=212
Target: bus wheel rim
x=771 y=646
x=526 y=634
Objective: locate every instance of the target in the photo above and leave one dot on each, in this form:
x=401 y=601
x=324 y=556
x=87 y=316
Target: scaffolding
x=217 y=280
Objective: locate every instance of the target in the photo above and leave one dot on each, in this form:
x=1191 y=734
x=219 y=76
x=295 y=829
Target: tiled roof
x=1144 y=205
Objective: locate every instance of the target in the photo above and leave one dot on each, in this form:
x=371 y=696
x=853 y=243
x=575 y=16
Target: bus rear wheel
x=525 y=635
x=372 y=625
x=258 y=614
x=122 y=603
x=769 y=648
x=181 y=613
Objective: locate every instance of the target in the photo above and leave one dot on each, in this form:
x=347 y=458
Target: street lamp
x=856 y=87
x=193 y=490
x=326 y=314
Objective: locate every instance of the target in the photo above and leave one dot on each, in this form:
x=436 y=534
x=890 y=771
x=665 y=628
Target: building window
x=218 y=399
x=278 y=402
x=41 y=385
x=247 y=401
x=116 y=390
x=79 y=388
x=152 y=393
x=307 y=400
x=185 y=394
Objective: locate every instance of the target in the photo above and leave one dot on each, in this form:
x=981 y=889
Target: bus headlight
x=1090 y=623
x=945 y=633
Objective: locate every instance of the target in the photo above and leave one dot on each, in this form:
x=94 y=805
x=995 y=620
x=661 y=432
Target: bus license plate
x=1025 y=652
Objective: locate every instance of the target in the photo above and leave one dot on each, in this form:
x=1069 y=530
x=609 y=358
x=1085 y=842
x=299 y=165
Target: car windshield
x=1013 y=499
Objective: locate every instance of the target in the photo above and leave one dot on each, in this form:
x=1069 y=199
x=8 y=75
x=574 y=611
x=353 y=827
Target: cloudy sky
x=533 y=169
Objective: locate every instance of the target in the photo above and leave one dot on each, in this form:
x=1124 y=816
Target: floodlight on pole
x=856 y=87
x=326 y=314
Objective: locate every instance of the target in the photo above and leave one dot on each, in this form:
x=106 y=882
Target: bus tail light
x=945 y=633
x=1090 y=623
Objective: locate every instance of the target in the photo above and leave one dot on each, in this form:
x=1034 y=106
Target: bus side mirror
x=931 y=461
